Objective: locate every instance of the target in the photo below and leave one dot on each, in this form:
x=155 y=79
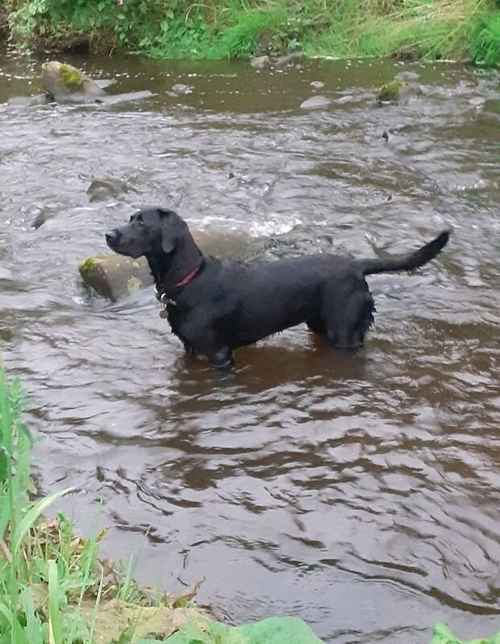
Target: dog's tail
x=408 y=261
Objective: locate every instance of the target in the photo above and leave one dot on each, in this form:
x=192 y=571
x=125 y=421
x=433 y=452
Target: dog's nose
x=113 y=237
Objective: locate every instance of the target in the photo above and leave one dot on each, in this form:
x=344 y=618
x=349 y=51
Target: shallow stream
x=360 y=493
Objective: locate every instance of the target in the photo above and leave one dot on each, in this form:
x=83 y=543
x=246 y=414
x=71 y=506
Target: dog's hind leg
x=348 y=321
x=316 y=325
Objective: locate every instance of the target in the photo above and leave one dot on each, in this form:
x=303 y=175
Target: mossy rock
x=61 y=81
x=391 y=92
x=115 y=276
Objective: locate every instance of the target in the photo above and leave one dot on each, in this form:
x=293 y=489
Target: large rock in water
x=114 y=276
x=65 y=82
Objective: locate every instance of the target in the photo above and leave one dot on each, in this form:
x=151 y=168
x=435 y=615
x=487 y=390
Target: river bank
x=408 y=29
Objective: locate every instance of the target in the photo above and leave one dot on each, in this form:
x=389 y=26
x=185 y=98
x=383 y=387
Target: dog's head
x=150 y=230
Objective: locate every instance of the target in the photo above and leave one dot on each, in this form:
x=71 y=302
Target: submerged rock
x=277 y=62
x=398 y=91
x=290 y=59
x=390 y=92
x=114 y=276
x=260 y=62
x=318 y=102
x=103 y=188
x=43 y=214
x=125 y=97
x=28 y=101
x=407 y=76
x=62 y=82
x=180 y=89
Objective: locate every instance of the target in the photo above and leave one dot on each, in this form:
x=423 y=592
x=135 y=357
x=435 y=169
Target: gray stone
x=317 y=84
x=260 y=62
x=318 y=102
x=181 y=89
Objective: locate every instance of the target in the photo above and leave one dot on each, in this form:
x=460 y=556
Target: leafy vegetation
x=54 y=588
x=239 y=28
x=443 y=635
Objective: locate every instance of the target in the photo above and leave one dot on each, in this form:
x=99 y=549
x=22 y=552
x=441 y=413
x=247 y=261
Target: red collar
x=189 y=277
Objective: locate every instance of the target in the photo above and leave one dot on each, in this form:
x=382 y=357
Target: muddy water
x=361 y=494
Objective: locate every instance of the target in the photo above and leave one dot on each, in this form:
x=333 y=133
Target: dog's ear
x=170 y=229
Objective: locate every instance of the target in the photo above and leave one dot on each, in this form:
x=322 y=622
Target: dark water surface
x=360 y=493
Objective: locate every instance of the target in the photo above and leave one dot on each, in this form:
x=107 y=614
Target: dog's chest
x=175 y=317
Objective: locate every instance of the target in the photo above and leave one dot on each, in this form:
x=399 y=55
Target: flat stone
x=318 y=102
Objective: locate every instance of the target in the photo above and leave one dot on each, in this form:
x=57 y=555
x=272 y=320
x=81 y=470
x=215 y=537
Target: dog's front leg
x=222 y=358
x=188 y=348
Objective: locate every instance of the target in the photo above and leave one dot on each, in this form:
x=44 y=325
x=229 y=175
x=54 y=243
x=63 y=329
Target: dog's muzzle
x=113 y=238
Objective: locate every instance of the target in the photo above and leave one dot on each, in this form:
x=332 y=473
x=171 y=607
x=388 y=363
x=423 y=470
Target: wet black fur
x=229 y=304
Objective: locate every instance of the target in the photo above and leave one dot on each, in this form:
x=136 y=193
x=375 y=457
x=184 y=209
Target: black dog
x=216 y=306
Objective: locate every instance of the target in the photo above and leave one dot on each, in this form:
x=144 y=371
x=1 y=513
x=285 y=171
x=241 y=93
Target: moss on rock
x=71 y=77
x=390 y=92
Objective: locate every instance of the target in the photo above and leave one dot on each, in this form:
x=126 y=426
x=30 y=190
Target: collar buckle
x=165 y=301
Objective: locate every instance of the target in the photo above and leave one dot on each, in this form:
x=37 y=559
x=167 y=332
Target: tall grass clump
x=21 y=566
x=485 y=39
x=46 y=572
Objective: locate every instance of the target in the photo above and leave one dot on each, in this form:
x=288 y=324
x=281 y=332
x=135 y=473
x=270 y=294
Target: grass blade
x=32 y=515
x=55 y=629
x=33 y=627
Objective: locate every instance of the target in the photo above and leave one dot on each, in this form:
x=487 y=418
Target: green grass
x=485 y=40
x=415 y=29
x=434 y=29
